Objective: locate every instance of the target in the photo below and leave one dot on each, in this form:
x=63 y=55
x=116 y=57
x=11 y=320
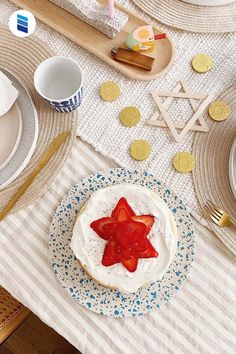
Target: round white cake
x=88 y=247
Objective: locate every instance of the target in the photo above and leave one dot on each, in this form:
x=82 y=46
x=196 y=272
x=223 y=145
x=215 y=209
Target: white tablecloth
x=199 y=319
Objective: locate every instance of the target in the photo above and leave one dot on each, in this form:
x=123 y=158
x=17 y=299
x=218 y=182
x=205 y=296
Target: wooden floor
x=34 y=337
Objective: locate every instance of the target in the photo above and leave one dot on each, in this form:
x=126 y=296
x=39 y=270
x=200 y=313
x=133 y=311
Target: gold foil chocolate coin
x=140 y=150
x=184 y=162
x=202 y=63
x=129 y=116
x=109 y=91
x=219 y=110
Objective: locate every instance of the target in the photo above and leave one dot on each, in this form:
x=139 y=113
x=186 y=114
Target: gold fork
x=219 y=216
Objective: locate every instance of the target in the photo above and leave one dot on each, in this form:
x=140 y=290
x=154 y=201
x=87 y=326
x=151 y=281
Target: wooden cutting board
x=99 y=44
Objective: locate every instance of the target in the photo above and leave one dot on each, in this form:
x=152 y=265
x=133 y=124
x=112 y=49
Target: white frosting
x=8 y=94
x=88 y=247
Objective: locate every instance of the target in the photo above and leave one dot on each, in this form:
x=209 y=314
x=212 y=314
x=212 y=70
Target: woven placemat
x=188 y=17
x=21 y=57
x=211 y=175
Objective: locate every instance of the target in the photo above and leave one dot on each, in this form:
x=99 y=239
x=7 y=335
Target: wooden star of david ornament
x=197 y=109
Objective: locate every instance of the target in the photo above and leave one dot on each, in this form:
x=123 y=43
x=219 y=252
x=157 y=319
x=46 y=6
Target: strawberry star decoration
x=126 y=236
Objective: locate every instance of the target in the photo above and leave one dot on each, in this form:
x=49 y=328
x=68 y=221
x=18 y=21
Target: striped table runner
x=199 y=319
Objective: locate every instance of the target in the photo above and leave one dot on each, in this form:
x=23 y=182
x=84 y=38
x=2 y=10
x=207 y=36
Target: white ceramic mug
x=59 y=80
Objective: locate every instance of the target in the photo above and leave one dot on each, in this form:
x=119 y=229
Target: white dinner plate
x=10 y=134
x=232 y=167
x=29 y=134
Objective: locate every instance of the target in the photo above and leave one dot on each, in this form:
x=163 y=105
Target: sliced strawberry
x=104 y=227
x=129 y=252
x=148 y=220
x=130 y=232
x=123 y=204
x=141 y=245
x=122 y=215
x=111 y=254
x=126 y=234
x=130 y=264
x=150 y=251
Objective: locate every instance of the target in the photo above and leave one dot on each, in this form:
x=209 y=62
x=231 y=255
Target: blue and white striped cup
x=59 y=80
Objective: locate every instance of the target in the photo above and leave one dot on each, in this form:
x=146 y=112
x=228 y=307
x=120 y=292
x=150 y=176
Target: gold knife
x=47 y=154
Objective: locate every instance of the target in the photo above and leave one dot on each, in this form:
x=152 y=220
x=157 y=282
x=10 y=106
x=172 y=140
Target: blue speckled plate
x=85 y=290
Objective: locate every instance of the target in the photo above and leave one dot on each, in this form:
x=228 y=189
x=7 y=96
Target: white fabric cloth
x=199 y=319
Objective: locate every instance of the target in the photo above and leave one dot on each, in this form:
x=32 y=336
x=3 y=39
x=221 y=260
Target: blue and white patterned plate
x=85 y=290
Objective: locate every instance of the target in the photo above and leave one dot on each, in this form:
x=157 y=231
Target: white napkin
x=8 y=94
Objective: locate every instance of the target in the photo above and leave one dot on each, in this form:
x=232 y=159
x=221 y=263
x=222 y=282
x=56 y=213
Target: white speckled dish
x=29 y=135
x=232 y=167
x=88 y=292
x=10 y=134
